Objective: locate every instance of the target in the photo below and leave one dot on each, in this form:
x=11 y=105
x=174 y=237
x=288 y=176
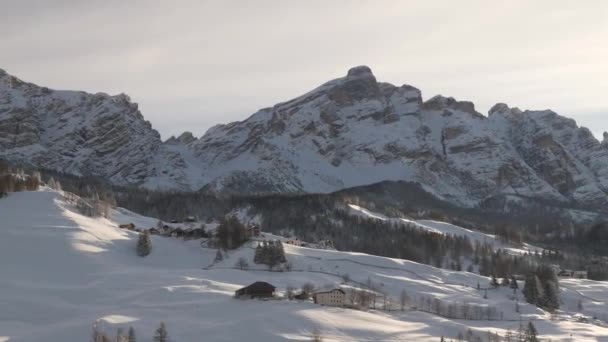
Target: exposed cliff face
x=348 y=132
x=76 y=132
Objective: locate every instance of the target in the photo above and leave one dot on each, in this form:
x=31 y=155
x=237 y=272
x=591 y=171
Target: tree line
x=98 y=335
x=527 y=333
x=14 y=179
x=315 y=217
x=542 y=288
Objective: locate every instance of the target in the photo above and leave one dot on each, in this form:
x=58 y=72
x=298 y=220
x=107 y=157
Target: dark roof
x=258 y=286
x=332 y=290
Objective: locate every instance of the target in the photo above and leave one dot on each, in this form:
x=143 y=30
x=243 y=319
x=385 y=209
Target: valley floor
x=62 y=271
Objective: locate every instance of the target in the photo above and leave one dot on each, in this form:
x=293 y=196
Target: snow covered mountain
x=355 y=130
x=348 y=132
x=76 y=132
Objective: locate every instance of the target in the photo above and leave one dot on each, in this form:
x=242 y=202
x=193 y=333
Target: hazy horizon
x=192 y=65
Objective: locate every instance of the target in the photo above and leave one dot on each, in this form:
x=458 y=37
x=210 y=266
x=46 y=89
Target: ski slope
x=61 y=271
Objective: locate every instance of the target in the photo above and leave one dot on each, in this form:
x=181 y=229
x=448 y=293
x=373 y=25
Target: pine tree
x=99 y=336
x=533 y=290
x=551 y=300
x=494 y=281
x=161 y=334
x=95 y=332
x=257 y=257
x=131 y=337
x=531 y=333
x=509 y=337
x=514 y=284
x=281 y=252
x=218 y=256
x=120 y=335
x=144 y=244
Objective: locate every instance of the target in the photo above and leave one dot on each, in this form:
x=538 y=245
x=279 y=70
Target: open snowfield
x=62 y=271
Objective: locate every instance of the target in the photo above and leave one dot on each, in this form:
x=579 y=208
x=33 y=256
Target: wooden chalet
x=259 y=289
x=129 y=226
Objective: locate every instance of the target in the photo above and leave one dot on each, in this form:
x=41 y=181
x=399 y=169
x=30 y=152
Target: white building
x=335 y=297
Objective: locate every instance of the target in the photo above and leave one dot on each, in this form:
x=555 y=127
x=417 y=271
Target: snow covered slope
x=348 y=132
x=448 y=229
x=62 y=271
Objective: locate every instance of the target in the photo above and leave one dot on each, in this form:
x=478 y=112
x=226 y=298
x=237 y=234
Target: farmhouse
x=333 y=297
x=295 y=242
x=129 y=226
x=253 y=231
x=573 y=274
x=329 y=244
x=177 y=232
x=259 y=289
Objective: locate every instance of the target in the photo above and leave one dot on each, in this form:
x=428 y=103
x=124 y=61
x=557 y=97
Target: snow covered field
x=62 y=271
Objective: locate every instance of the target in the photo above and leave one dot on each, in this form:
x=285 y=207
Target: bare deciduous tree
x=404 y=299
x=316 y=335
x=242 y=264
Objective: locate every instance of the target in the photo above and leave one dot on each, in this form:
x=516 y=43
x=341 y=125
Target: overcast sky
x=193 y=64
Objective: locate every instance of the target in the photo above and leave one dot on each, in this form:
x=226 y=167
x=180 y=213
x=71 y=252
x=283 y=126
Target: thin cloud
x=193 y=64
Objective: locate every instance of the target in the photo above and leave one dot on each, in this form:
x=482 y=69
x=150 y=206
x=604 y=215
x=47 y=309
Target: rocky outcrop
x=184 y=138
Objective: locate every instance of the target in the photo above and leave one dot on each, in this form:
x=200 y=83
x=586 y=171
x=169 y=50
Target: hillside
x=348 y=132
x=62 y=271
x=445 y=228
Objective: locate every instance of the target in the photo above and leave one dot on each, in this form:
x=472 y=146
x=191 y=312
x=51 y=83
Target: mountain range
x=348 y=132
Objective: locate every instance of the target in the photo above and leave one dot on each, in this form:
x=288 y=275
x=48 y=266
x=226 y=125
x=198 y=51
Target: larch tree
x=404 y=299
x=531 y=334
x=131 y=337
x=161 y=334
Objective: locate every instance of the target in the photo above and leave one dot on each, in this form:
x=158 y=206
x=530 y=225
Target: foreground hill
x=348 y=132
x=61 y=271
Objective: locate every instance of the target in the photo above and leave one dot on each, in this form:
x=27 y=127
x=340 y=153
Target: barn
x=259 y=289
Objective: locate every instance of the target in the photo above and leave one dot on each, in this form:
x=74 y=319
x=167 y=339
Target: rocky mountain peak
x=502 y=108
x=184 y=138
x=359 y=84
x=440 y=103
x=360 y=71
